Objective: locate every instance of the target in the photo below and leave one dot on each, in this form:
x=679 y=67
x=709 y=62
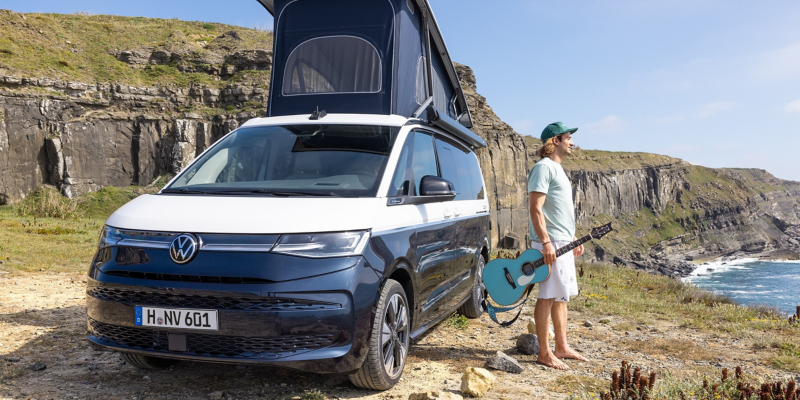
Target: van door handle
x=448 y=214
x=457 y=212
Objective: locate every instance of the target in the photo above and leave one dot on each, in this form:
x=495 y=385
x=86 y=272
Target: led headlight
x=109 y=237
x=320 y=245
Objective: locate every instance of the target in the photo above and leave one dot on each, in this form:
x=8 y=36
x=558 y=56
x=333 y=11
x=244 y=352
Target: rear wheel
x=472 y=308
x=148 y=362
x=389 y=340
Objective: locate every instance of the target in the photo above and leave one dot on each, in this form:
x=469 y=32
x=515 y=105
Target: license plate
x=176 y=318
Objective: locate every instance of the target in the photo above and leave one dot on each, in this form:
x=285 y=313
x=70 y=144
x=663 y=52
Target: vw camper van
x=323 y=240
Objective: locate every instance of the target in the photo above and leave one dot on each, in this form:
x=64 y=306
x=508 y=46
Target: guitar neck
x=565 y=249
x=573 y=245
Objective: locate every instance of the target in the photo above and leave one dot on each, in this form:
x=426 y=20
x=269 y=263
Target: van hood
x=246 y=215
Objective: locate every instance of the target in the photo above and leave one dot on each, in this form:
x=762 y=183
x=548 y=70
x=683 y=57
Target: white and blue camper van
x=323 y=237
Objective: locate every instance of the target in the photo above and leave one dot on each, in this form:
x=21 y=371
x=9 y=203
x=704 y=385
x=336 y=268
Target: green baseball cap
x=555 y=129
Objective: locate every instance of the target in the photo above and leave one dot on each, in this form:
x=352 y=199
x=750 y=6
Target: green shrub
x=314 y=394
x=457 y=321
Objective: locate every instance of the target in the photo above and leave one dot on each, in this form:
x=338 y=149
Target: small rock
x=215 y=395
x=532 y=330
x=39 y=366
x=627 y=333
x=12 y=359
x=476 y=381
x=503 y=362
x=146 y=378
x=528 y=344
x=434 y=395
x=720 y=358
x=588 y=323
x=718 y=364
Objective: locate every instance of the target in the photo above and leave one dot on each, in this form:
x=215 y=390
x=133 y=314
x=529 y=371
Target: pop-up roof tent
x=364 y=57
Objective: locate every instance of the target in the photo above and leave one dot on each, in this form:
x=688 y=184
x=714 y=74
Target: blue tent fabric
x=300 y=21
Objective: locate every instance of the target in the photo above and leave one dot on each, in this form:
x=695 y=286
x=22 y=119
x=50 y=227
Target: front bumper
x=318 y=324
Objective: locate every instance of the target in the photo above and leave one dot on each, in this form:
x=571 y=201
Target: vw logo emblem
x=183 y=248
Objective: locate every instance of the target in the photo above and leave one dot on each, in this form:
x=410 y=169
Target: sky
x=713 y=82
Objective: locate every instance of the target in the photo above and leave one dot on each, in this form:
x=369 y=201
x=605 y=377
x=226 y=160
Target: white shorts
x=562 y=282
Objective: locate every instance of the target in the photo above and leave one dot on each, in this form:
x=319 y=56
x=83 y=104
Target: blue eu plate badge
x=138 y=315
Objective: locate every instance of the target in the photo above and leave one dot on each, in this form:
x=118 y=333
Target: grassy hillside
x=83 y=47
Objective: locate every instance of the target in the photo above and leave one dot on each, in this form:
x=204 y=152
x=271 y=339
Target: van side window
x=424 y=158
x=474 y=171
x=448 y=163
x=460 y=166
x=403 y=176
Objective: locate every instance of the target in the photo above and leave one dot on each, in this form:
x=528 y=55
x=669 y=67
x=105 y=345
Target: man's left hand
x=578 y=251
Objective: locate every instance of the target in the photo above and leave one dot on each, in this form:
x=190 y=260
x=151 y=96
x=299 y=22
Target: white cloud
x=710 y=109
x=779 y=63
x=793 y=107
x=609 y=125
x=524 y=127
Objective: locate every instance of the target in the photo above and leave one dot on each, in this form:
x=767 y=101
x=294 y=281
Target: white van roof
x=338 y=119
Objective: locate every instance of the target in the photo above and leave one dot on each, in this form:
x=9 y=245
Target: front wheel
x=472 y=308
x=388 y=343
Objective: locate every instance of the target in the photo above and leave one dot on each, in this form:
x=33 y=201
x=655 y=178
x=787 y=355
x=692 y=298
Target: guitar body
x=498 y=272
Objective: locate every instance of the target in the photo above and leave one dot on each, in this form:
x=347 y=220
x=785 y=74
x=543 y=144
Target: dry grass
x=47 y=202
x=682 y=349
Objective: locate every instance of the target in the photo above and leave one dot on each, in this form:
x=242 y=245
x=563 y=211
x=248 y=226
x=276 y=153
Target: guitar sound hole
x=527 y=269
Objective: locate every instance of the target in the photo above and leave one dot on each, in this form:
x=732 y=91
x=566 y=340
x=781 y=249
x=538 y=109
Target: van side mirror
x=432 y=189
x=435 y=186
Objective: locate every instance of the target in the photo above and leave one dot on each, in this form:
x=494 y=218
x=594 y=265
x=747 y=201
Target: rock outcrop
x=81 y=137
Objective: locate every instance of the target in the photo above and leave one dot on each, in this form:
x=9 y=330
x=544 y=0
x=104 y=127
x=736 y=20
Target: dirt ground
x=42 y=323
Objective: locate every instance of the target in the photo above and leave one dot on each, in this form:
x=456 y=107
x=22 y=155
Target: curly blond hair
x=548 y=147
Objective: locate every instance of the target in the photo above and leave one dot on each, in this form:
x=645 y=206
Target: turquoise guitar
x=507 y=280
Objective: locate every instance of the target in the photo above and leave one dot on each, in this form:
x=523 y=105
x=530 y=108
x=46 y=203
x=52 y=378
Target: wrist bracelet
x=545 y=243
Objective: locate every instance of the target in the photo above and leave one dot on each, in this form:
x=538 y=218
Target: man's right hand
x=549 y=252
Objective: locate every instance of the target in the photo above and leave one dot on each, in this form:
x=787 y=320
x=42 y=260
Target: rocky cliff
x=174 y=96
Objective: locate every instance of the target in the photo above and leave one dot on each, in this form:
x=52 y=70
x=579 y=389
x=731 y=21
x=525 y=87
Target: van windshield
x=292 y=160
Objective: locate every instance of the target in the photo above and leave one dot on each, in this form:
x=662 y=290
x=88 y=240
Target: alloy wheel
x=394 y=335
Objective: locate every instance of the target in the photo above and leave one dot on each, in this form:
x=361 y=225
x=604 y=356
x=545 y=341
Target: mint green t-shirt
x=548 y=177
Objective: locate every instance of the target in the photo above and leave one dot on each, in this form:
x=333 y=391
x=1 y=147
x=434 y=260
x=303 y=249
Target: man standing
x=551 y=226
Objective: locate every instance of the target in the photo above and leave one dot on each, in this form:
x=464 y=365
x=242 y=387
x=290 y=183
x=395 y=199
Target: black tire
x=147 y=362
x=472 y=308
x=388 y=342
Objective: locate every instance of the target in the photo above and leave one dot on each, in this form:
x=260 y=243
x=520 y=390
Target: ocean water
x=753 y=282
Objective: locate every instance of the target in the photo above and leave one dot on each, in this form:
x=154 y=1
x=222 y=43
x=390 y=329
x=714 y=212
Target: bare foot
x=569 y=353
x=552 y=362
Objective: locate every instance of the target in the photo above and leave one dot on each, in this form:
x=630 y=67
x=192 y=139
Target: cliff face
x=82 y=136
x=504 y=164
x=91 y=136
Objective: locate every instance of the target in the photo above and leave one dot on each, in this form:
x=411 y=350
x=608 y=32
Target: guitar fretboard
x=538 y=263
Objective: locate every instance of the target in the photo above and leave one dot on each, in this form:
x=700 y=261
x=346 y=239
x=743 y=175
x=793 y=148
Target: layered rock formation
x=80 y=137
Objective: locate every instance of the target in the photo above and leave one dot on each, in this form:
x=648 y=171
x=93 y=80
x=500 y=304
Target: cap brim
x=571 y=130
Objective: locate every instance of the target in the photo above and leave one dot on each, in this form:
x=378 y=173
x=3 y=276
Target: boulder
x=503 y=362
x=476 y=381
x=528 y=344
x=434 y=395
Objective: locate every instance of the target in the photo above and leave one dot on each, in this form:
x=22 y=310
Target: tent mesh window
x=421 y=93
x=333 y=64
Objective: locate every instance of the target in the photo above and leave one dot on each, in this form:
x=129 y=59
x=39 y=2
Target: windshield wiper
x=184 y=191
x=287 y=194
